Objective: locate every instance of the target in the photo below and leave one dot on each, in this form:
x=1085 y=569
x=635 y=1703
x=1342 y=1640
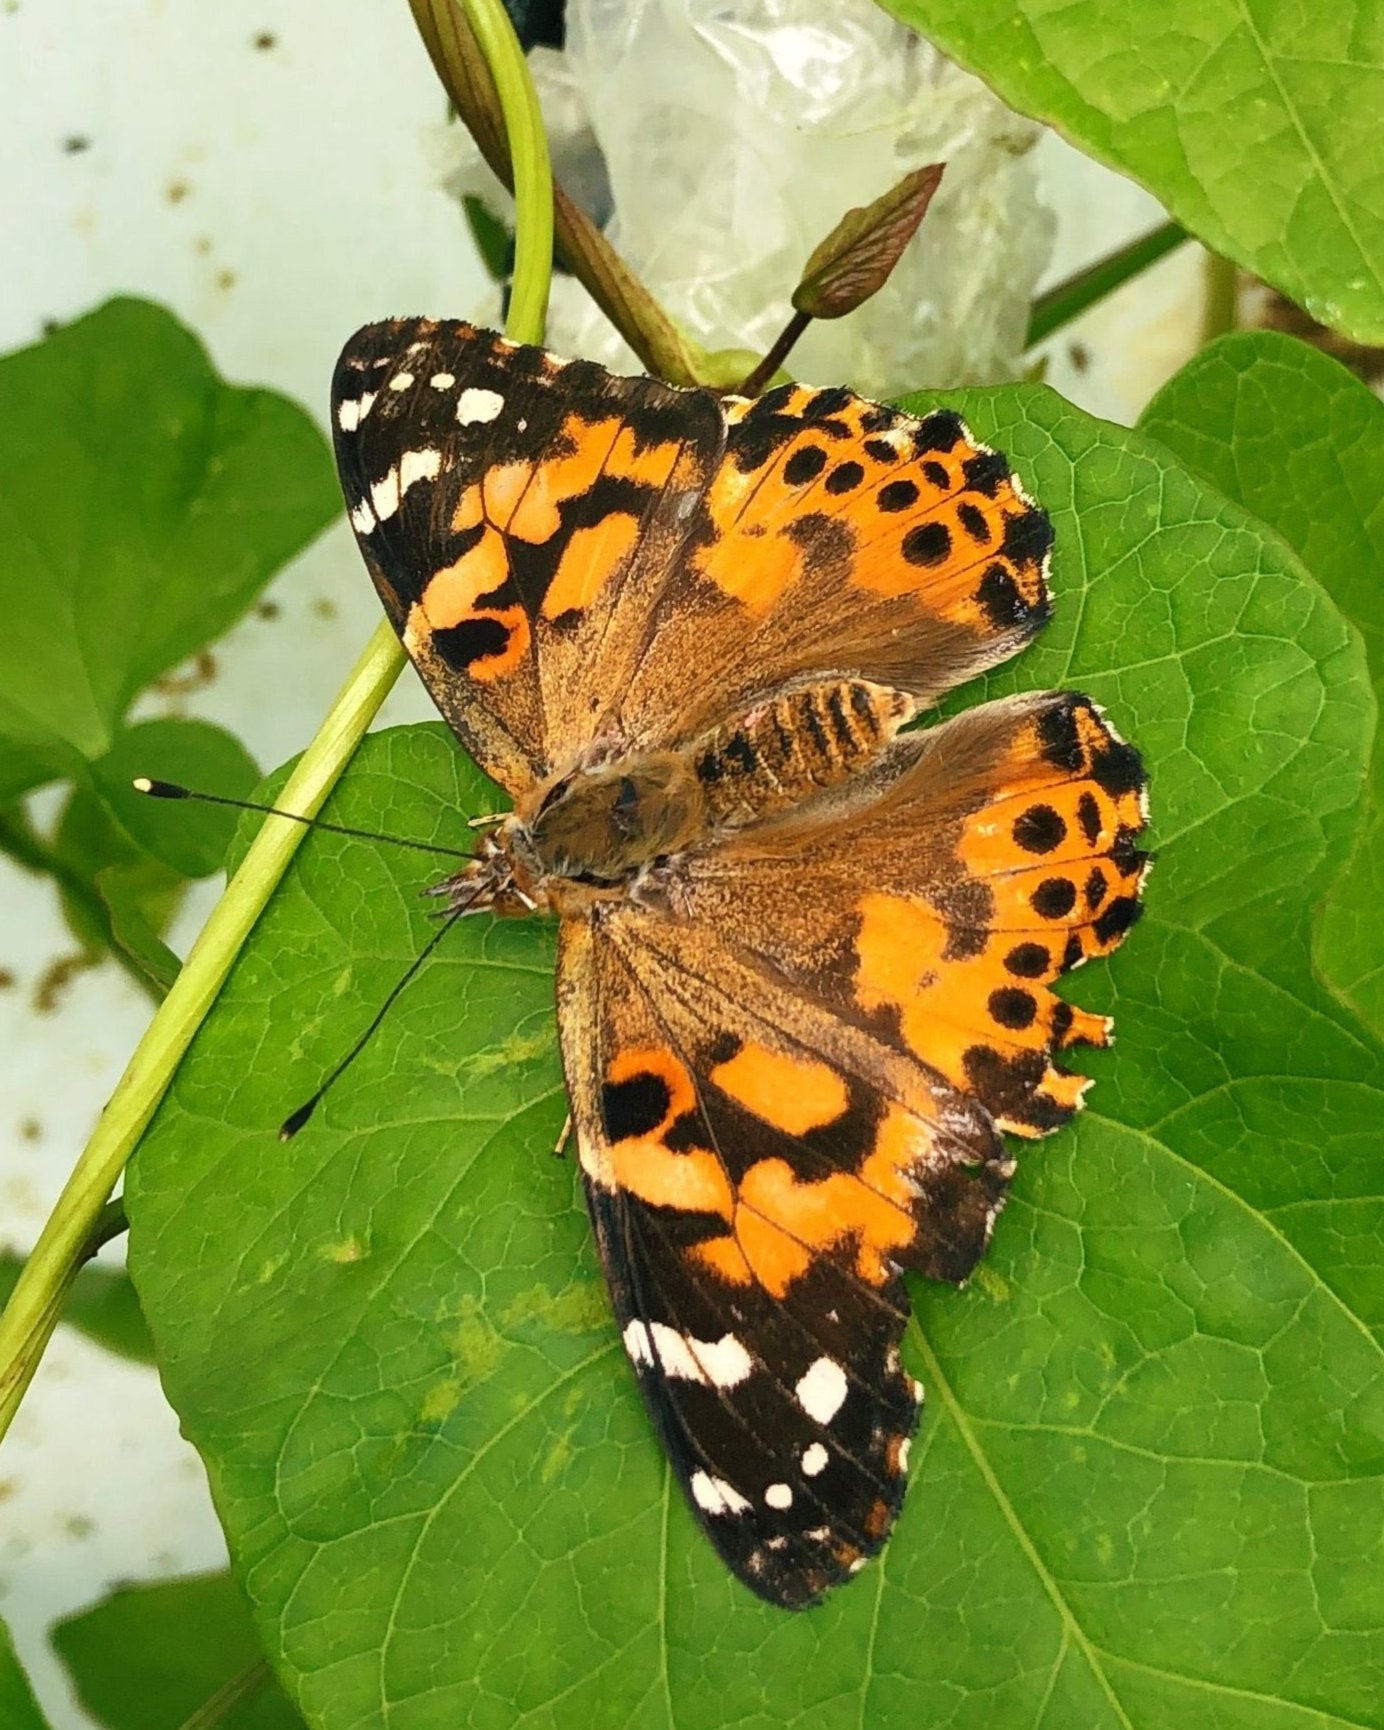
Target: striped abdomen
x=785 y=751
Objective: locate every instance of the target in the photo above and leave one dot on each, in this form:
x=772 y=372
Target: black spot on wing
x=1028 y=537
x=939 y=431
x=927 y=544
x=461 y=646
x=986 y=472
x=635 y=1106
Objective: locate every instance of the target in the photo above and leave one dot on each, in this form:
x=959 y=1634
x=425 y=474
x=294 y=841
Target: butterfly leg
x=560 y=1149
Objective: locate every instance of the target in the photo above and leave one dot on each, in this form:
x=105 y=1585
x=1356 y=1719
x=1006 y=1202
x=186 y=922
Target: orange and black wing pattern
x=840 y=535
x=988 y=857
x=758 y=1173
x=518 y=514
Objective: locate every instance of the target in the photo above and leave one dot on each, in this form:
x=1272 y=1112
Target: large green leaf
x=143 y=504
x=1298 y=440
x=149 y=1657
x=1148 y=1488
x=1250 y=119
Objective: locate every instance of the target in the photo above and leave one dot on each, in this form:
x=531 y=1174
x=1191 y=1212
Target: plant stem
x=1220 y=306
x=1071 y=298
x=533 y=175
x=776 y=355
x=646 y=327
x=217 y=1707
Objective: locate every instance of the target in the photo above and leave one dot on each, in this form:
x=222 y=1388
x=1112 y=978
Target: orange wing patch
x=895 y=505
x=782 y=1223
x=1053 y=851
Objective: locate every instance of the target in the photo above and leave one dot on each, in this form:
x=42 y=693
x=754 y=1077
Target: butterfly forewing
x=519 y=514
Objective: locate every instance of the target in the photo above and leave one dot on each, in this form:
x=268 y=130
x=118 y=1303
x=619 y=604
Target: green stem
x=1071 y=298
x=777 y=354
x=218 y=1707
x=533 y=175
x=36 y=1303
x=1220 y=307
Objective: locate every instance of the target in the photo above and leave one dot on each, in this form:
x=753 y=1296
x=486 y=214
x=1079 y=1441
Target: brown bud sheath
x=855 y=259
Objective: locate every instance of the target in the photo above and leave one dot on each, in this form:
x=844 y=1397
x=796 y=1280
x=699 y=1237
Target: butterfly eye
x=624 y=806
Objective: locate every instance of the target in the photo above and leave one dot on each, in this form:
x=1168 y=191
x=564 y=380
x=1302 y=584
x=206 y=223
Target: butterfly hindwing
x=758 y=1173
x=940 y=902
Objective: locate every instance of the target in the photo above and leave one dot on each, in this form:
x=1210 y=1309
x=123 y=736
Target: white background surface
x=275 y=197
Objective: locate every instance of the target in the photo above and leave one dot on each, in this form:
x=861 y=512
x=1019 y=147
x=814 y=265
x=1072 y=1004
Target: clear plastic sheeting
x=735 y=133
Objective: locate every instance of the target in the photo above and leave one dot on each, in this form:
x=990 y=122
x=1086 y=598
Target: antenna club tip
x=159 y=789
x=295 y=1120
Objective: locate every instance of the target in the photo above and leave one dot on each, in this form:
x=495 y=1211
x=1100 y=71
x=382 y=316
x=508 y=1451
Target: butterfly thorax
x=591 y=831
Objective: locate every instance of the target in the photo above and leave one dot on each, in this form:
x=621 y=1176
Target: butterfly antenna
x=296 y=1119
x=171 y=790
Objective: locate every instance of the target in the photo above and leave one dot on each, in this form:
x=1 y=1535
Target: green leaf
x=125 y=892
x=101 y=1304
x=1147 y=1488
x=1295 y=438
x=18 y=1708
x=143 y=504
x=88 y=842
x=1247 y=118
x=188 y=837
x=148 y=1657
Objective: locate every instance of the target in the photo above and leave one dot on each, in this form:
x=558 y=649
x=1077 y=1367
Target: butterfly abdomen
x=789 y=749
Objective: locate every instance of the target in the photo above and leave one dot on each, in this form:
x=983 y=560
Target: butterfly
x=806 y=952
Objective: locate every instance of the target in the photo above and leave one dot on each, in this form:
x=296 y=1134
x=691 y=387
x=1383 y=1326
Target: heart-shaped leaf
x=143 y=504
x=1148 y=1485
x=1248 y=118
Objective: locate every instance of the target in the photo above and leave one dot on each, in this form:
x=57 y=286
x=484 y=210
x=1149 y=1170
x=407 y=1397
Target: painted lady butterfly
x=805 y=958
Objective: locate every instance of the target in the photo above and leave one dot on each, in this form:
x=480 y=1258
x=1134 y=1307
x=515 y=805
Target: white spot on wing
x=636 y=1338
x=477 y=405
x=716 y=1496
x=351 y=411
x=442 y=380
x=401 y=381
x=387 y=492
x=384 y=495
x=821 y=1391
x=779 y=1496
x=418 y=466
x=814 y=1460
x=904 y=1446
x=722 y=1363
x=363 y=518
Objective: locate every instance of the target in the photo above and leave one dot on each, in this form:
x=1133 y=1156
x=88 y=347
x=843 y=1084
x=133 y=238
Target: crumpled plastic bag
x=734 y=134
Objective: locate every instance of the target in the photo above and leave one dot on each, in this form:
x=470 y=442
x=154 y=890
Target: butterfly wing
x=788 y=1087
x=758 y=1170
x=518 y=514
x=839 y=535
x=944 y=896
